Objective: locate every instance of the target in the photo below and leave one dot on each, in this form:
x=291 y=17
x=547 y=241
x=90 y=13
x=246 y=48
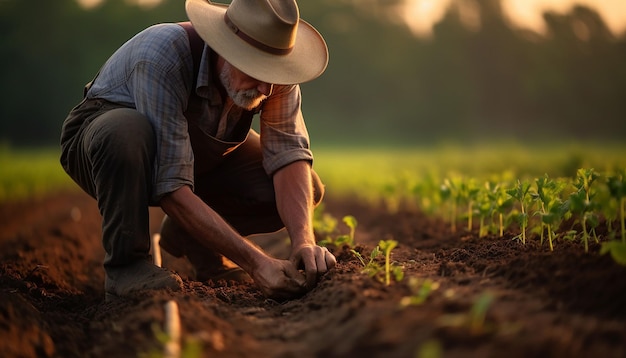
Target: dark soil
x=565 y=303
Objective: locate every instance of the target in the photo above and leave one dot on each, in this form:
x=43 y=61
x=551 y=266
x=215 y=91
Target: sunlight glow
x=88 y=4
x=421 y=15
x=528 y=13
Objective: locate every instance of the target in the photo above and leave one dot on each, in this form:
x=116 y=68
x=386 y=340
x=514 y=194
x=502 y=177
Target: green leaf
x=592 y=220
x=358 y=256
x=398 y=272
x=387 y=245
x=617 y=250
x=375 y=252
x=350 y=221
x=343 y=239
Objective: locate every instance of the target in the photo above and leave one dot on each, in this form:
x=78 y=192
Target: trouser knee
x=123 y=135
x=118 y=140
x=113 y=163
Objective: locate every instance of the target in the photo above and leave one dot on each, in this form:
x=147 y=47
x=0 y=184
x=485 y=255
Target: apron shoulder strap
x=196 y=44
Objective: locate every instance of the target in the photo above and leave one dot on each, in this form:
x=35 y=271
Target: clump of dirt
x=491 y=296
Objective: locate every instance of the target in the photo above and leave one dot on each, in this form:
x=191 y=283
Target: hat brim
x=307 y=60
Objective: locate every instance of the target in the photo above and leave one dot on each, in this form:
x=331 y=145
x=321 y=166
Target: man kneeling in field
x=166 y=122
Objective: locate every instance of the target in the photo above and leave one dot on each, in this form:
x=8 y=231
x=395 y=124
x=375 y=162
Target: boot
x=138 y=276
x=207 y=264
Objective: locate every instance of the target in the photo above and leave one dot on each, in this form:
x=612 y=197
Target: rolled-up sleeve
x=284 y=137
x=153 y=73
x=159 y=94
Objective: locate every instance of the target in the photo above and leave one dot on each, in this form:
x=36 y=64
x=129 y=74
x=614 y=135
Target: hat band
x=259 y=45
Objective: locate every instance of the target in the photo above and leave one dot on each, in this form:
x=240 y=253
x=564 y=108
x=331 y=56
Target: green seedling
x=582 y=205
x=502 y=204
x=373 y=255
x=552 y=208
x=492 y=200
x=617 y=249
x=192 y=347
x=446 y=192
x=427 y=194
x=396 y=192
x=617 y=189
x=359 y=256
x=475 y=319
x=348 y=239
x=324 y=225
x=430 y=349
x=328 y=225
x=521 y=196
x=478 y=313
x=468 y=192
x=386 y=246
x=420 y=290
x=607 y=206
x=485 y=209
x=373 y=269
x=461 y=192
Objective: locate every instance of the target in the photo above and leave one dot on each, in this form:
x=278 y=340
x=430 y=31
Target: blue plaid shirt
x=153 y=73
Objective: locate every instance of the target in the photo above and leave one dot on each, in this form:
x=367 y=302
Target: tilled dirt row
x=493 y=296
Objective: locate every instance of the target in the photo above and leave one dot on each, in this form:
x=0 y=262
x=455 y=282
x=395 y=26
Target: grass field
x=31 y=172
x=364 y=172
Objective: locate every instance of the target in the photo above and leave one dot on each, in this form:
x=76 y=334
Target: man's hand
x=316 y=261
x=279 y=279
x=294 y=200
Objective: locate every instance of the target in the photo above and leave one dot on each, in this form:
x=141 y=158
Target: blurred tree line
x=383 y=85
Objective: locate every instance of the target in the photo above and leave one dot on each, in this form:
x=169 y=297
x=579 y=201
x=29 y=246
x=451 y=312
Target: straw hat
x=266 y=39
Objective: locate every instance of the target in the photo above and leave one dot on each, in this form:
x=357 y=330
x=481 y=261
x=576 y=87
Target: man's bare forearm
x=206 y=226
x=294 y=200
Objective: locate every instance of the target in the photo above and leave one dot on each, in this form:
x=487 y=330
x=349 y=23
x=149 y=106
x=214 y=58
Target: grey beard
x=246 y=99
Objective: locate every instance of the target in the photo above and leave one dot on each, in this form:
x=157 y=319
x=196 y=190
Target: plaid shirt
x=153 y=73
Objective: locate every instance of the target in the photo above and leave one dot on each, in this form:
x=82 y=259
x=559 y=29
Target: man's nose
x=265 y=88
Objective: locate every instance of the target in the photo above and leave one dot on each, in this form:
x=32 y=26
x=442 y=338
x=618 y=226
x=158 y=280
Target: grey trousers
x=109 y=151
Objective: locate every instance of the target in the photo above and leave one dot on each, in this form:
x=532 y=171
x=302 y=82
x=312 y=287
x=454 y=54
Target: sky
x=421 y=15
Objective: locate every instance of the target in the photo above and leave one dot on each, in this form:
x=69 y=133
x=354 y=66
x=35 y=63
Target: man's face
x=245 y=91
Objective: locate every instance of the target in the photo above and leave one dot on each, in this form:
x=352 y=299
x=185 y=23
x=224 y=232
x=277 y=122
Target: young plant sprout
x=447 y=192
x=420 y=290
x=373 y=269
x=502 y=204
x=485 y=209
x=617 y=188
x=469 y=193
x=492 y=199
x=324 y=225
x=386 y=246
x=348 y=239
x=521 y=196
x=617 y=249
x=582 y=205
x=590 y=199
x=475 y=319
x=478 y=313
x=327 y=225
x=552 y=208
x=460 y=191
